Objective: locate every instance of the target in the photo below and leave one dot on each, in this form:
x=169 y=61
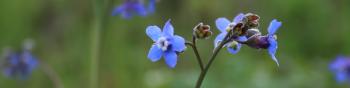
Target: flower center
x=162 y=43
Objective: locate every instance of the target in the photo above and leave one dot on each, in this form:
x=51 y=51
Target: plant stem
x=101 y=14
x=52 y=75
x=212 y=58
x=101 y=10
x=94 y=58
x=95 y=43
x=199 y=59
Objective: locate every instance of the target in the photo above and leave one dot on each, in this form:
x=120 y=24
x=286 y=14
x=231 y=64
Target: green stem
x=197 y=53
x=95 y=43
x=212 y=58
x=53 y=76
x=199 y=59
x=101 y=14
x=95 y=38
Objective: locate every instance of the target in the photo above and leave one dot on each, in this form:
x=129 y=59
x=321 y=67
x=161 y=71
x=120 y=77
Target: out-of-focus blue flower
x=134 y=7
x=129 y=8
x=152 y=6
x=273 y=27
x=166 y=44
x=19 y=65
x=341 y=68
x=222 y=24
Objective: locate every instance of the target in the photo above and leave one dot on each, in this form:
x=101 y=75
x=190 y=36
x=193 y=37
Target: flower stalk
x=212 y=58
x=195 y=50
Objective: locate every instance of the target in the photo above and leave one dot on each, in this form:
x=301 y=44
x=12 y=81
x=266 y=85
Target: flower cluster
x=341 y=68
x=19 y=64
x=244 y=30
x=134 y=7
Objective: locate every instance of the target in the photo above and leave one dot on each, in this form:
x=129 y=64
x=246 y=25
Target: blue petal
x=242 y=38
x=31 y=60
x=151 y=6
x=8 y=72
x=341 y=77
x=178 y=43
x=272 y=49
x=238 y=18
x=33 y=63
x=153 y=32
x=339 y=62
x=117 y=10
x=14 y=59
x=273 y=27
x=140 y=9
x=222 y=23
x=234 y=51
x=168 y=29
x=219 y=38
x=155 y=53
x=170 y=58
x=126 y=14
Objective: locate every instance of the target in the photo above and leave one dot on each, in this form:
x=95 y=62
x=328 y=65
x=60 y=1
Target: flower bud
x=258 y=42
x=233 y=45
x=251 y=32
x=251 y=20
x=202 y=31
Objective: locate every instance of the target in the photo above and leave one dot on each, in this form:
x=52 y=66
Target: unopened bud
x=252 y=20
x=28 y=44
x=251 y=32
x=233 y=45
x=202 y=31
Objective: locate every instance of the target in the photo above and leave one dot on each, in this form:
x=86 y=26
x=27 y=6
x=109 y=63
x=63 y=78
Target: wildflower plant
x=19 y=64
x=242 y=30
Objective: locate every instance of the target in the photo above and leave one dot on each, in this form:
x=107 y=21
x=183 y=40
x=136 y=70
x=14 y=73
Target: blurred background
x=313 y=33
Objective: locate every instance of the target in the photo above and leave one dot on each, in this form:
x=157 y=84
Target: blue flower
x=166 y=44
x=19 y=64
x=134 y=7
x=151 y=6
x=222 y=24
x=129 y=8
x=341 y=68
x=273 y=27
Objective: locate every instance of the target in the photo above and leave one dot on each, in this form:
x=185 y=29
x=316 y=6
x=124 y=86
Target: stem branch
x=212 y=58
x=194 y=47
x=52 y=75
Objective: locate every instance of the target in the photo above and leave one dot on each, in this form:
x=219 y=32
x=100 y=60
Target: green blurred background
x=312 y=34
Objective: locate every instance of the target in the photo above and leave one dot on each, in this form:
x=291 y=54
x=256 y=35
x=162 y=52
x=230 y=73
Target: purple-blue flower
x=222 y=24
x=19 y=65
x=268 y=41
x=134 y=7
x=341 y=68
x=151 y=6
x=129 y=8
x=273 y=27
x=166 y=45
